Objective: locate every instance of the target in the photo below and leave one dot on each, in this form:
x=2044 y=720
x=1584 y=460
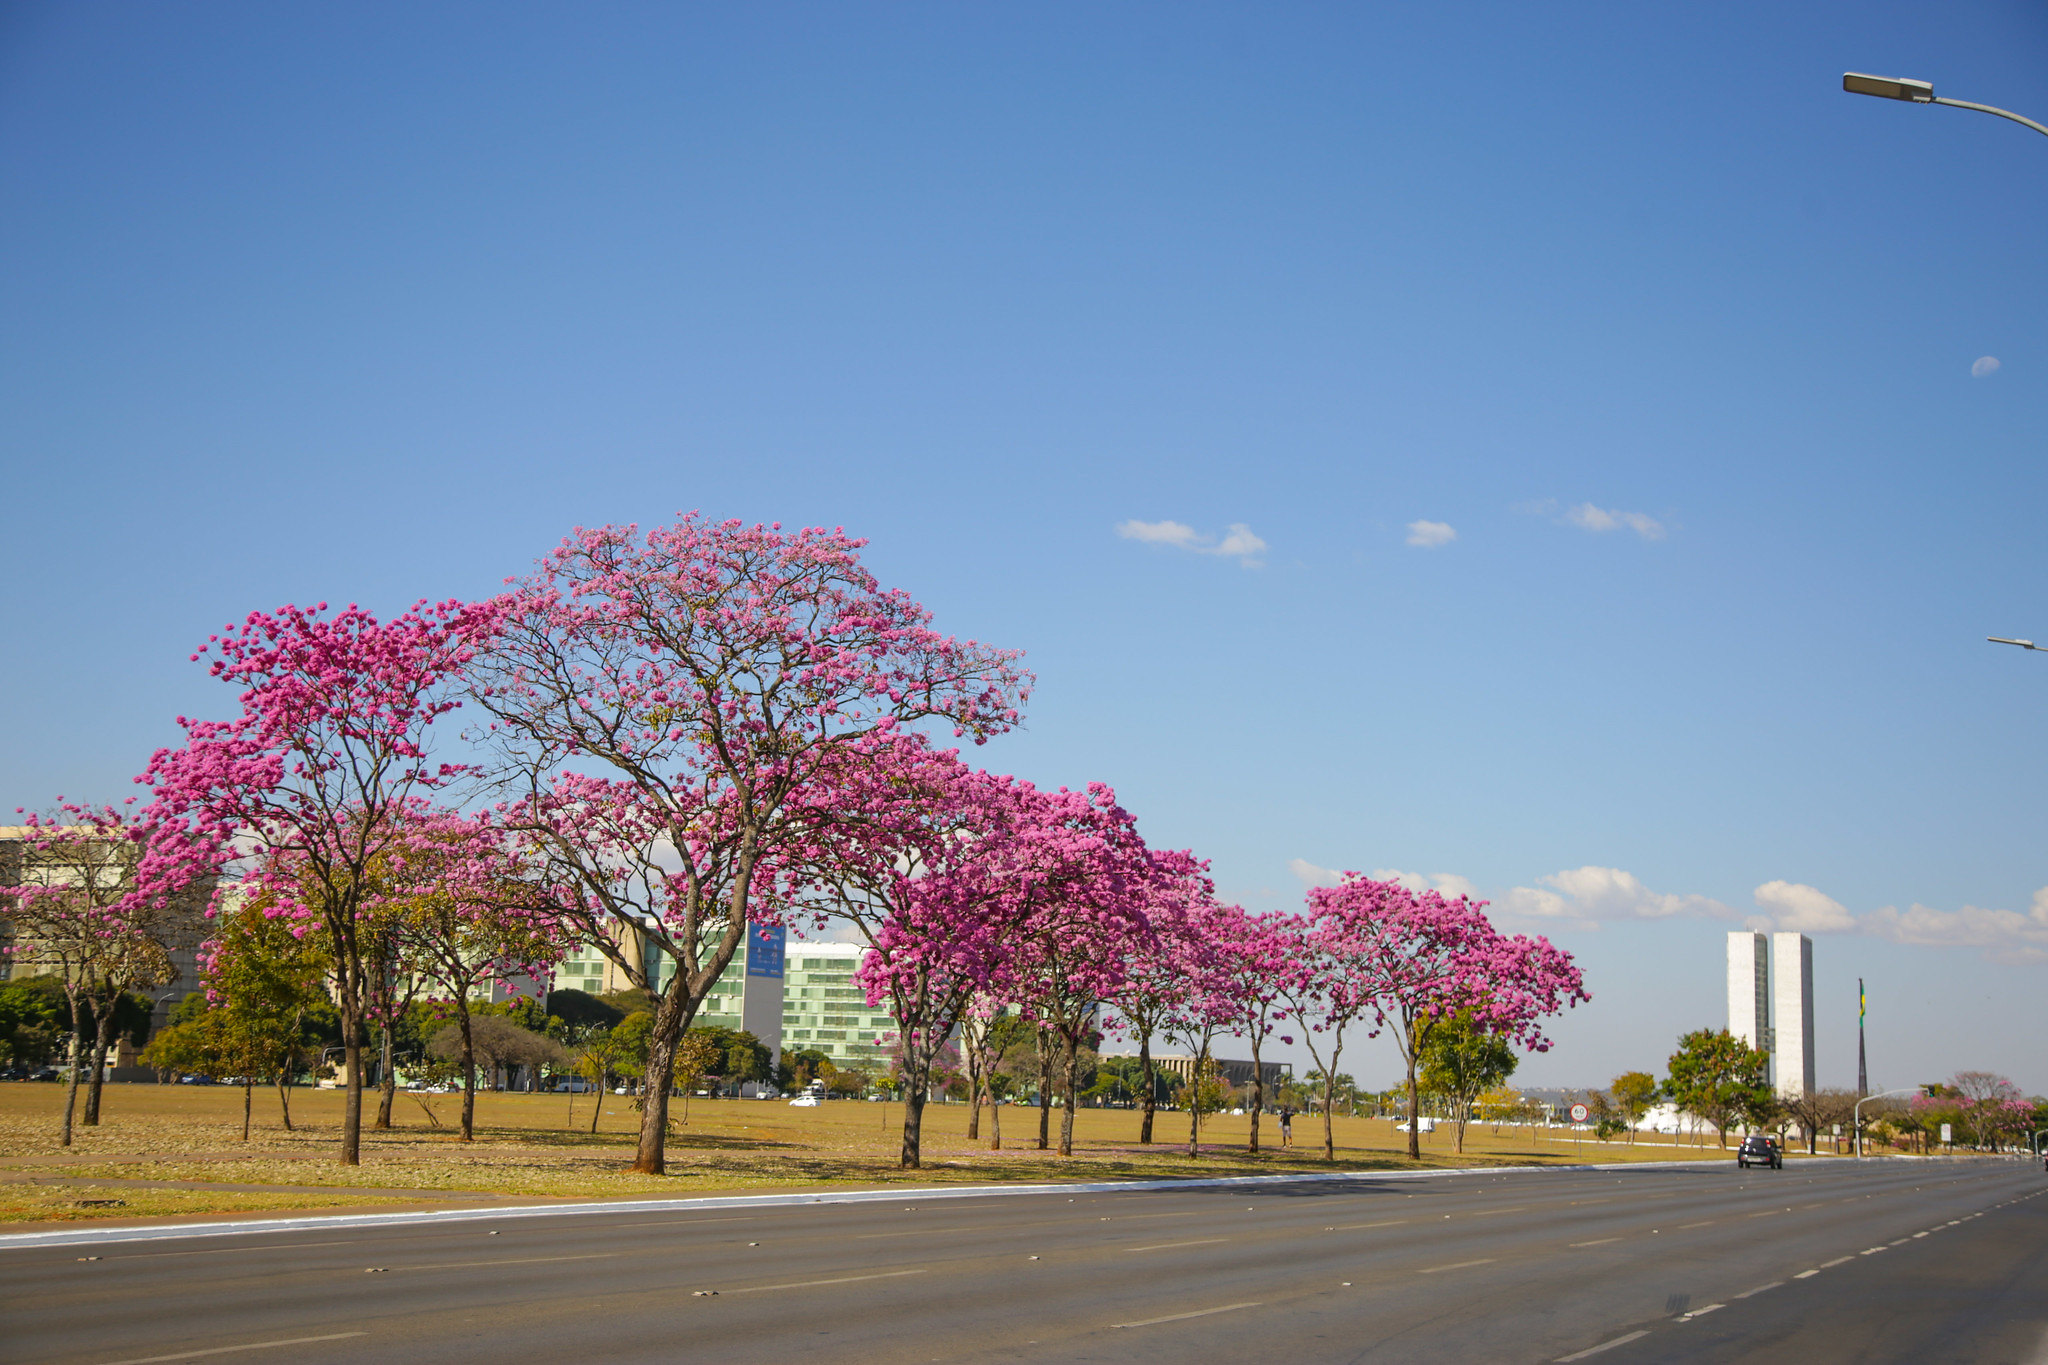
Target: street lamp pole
x=1857 y=1113
x=1922 y=92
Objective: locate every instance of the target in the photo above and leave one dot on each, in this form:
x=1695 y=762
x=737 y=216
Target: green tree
x=30 y=1014
x=1632 y=1092
x=1721 y=1079
x=272 y=983
x=1460 y=1062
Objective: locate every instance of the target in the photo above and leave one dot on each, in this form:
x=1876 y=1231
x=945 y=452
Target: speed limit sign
x=1580 y=1113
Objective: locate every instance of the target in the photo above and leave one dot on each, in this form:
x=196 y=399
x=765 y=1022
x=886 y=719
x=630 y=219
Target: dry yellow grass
x=528 y=1148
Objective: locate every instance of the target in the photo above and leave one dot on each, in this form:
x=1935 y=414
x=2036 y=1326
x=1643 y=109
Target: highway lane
x=1637 y=1264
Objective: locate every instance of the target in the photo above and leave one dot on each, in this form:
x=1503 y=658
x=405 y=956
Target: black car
x=1758 y=1150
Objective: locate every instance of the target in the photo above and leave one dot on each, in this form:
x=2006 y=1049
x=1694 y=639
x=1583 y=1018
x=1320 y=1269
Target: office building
x=1792 y=1014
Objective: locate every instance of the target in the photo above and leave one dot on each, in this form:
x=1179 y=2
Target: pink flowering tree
x=80 y=912
x=1201 y=1007
x=657 y=703
x=914 y=850
x=1159 y=981
x=309 y=788
x=1418 y=958
x=1084 y=879
x=468 y=910
x=1324 y=990
x=1253 y=958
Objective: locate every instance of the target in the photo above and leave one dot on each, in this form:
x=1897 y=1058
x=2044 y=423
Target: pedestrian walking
x=1286 y=1126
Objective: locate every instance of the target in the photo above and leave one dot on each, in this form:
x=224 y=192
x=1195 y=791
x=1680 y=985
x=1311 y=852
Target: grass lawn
x=164 y=1150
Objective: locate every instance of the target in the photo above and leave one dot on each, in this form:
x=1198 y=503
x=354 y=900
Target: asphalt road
x=1821 y=1262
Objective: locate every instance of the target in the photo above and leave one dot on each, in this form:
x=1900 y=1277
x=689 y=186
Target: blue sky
x=1662 y=345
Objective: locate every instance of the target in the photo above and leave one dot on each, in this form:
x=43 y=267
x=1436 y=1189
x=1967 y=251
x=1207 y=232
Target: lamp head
x=1888 y=87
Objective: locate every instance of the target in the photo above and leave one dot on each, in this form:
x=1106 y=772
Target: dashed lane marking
x=1352 y=1227
x=1182 y=1317
x=1597 y=1242
x=1603 y=1346
x=812 y=1284
x=247 y=1346
x=523 y=1260
x=1839 y=1260
x=1806 y=1274
x=1774 y=1284
x=1702 y=1312
x=1458 y=1265
x=1163 y=1246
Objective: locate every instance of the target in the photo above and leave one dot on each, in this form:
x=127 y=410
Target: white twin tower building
x=1770 y=1003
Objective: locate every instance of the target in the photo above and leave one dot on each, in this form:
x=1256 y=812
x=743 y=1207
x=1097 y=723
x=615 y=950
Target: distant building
x=1792 y=1013
x=1770 y=1003
x=788 y=994
x=1749 y=988
x=1181 y=1066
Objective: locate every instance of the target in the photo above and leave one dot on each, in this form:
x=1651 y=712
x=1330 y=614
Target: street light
x=2023 y=644
x=1857 y=1113
x=1921 y=92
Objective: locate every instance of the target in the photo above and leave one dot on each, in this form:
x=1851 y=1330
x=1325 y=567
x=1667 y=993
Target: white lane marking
x=1901 y=1242
x=1388 y=1223
x=1597 y=1242
x=1774 y=1284
x=1603 y=1346
x=1919 y=1234
x=1839 y=1260
x=1873 y=1251
x=810 y=1284
x=1702 y=1312
x=222 y=1251
x=523 y=1260
x=1457 y=1265
x=1702 y=1223
x=1182 y=1317
x=249 y=1346
x=1481 y=1213
x=1806 y=1274
x=1162 y=1246
x=678 y=1222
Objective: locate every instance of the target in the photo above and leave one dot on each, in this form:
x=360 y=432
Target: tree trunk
x=1195 y=1100
x=1414 y=1127
x=284 y=1095
x=351 y=1153
x=248 y=1103
x=1044 y=1092
x=387 y=1077
x=1151 y=1103
x=103 y=1038
x=468 y=1068
x=1258 y=1091
x=971 y=1045
x=597 y=1110
x=671 y=1017
x=71 y=1084
x=1329 y=1109
x=1073 y=1071
x=995 y=1124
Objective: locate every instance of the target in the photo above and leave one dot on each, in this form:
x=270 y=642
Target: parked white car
x=807 y=1101
x=1426 y=1125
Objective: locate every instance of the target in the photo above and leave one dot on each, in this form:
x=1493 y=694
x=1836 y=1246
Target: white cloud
x=1587 y=517
x=1449 y=883
x=2002 y=934
x=1797 y=908
x=1430 y=534
x=1588 y=896
x=1238 y=542
x=1983 y=365
x=1311 y=875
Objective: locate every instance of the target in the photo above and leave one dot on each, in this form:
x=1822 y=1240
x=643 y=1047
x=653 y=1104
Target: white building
x=1770 y=1003
x=1749 y=988
x=1792 y=1014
